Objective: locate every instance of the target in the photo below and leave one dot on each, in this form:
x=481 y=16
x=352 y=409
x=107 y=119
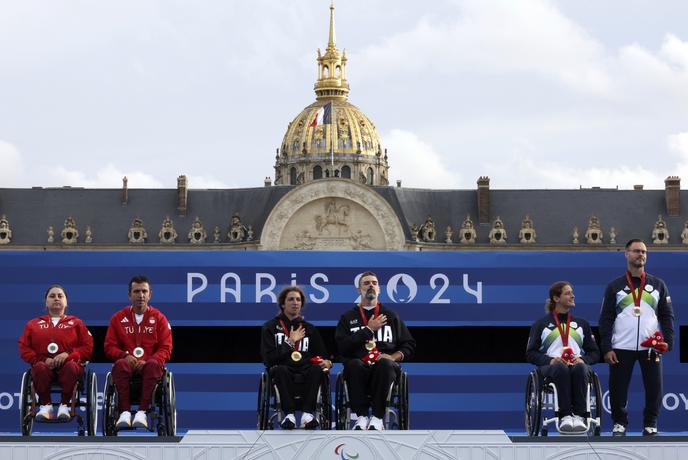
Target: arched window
x=327 y=173
x=346 y=172
x=369 y=176
x=292 y=176
x=317 y=173
x=337 y=71
x=326 y=71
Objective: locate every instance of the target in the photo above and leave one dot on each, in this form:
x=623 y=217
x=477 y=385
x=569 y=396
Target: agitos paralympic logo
x=339 y=450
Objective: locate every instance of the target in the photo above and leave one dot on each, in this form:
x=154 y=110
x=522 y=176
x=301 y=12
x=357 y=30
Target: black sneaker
x=649 y=431
x=288 y=424
x=312 y=425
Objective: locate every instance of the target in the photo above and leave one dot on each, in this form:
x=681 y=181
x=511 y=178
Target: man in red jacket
x=139 y=341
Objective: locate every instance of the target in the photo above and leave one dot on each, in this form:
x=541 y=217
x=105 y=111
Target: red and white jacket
x=70 y=334
x=154 y=335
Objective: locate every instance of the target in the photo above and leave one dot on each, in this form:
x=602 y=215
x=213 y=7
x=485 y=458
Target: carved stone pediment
x=467 y=233
x=527 y=233
x=660 y=234
x=5 y=230
x=594 y=234
x=337 y=214
x=427 y=231
x=197 y=234
x=69 y=233
x=237 y=231
x=497 y=234
x=137 y=233
x=167 y=233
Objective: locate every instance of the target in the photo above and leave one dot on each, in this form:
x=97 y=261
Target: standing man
x=139 y=341
x=636 y=308
x=371 y=340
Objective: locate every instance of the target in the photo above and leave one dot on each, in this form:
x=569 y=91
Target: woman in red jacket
x=55 y=345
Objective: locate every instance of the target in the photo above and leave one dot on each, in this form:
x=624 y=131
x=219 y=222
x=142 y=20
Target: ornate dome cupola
x=331 y=84
x=331 y=137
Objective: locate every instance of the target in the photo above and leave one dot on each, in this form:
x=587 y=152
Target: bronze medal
x=296 y=356
x=52 y=347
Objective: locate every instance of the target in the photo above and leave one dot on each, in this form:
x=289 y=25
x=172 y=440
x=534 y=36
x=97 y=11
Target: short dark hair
x=54 y=286
x=555 y=290
x=363 y=275
x=283 y=296
x=138 y=279
x=634 y=240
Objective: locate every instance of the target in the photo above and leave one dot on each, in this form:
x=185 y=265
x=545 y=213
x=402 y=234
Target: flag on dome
x=323 y=116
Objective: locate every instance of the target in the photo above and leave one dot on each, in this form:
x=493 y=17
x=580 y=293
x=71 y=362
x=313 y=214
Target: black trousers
x=292 y=381
x=620 y=377
x=363 y=379
x=572 y=386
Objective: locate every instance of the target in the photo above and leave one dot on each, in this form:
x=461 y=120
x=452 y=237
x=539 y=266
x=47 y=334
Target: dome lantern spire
x=331 y=83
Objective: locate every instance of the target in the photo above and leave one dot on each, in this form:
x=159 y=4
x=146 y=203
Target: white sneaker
x=63 y=413
x=44 y=413
x=306 y=418
x=361 y=423
x=140 y=419
x=124 y=420
x=619 y=430
x=579 y=424
x=566 y=423
x=376 y=424
x=649 y=431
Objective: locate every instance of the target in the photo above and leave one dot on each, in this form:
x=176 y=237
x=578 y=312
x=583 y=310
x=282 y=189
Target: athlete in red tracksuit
x=55 y=345
x=139 y=341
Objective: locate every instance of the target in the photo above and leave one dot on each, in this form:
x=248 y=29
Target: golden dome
x=352 y=130
x=331 y=137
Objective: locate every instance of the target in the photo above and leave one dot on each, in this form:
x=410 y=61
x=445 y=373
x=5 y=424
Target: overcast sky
x=534 y=94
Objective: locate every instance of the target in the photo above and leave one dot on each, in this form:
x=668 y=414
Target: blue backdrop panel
x=427 y=288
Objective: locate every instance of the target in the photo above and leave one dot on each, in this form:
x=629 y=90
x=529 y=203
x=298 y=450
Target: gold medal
x=295 y=356
x=52 y=347
x=370 y=345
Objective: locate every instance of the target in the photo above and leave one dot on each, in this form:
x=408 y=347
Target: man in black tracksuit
x=635 y=306
x=287 y=345
x=366 y=329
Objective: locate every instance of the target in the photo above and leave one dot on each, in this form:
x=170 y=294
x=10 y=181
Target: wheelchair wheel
x=25 y=399
x=109 y=407
x=533 y=405
x=262 y=411
x=341 y=417
x=403 y=402
x=596 y=409
x=325 y=403
x=170 y=404
x=91 y=390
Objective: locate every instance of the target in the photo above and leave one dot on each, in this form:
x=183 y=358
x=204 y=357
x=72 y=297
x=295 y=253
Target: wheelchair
x=270 y=413
x=84 y=396
x=541 y=394
x=163 y=411
x=396 y=413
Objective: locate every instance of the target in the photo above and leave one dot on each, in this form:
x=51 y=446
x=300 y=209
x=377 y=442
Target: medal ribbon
x=636 y=298
x=137 y=328
x=564 y=337
x=52 y=330
x=284 y=328
x=363 y=317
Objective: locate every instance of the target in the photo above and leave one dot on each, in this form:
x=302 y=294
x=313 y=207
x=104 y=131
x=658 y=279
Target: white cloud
x=205 y=182
x=417 y=163
x=11 y=166
x=107 y=177
x=493 y=38
x=675 y=50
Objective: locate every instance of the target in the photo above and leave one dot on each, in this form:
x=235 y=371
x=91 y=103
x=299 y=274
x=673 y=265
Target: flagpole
x=332 y=126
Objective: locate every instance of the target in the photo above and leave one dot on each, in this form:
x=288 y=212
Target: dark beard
x=371 y=294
